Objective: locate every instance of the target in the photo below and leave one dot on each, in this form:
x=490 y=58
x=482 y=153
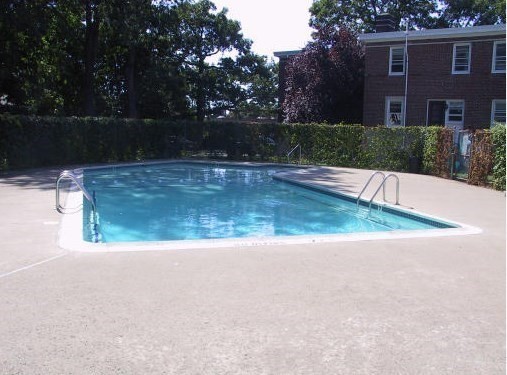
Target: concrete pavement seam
x=32 y=265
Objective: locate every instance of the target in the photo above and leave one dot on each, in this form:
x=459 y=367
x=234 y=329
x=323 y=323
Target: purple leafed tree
x=324 y=83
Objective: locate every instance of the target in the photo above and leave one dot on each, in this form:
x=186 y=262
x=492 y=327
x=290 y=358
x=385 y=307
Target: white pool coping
x=71 y=231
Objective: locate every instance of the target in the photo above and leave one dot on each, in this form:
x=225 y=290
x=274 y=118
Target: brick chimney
x=385 y=23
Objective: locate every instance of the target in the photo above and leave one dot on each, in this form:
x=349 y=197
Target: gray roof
x=282 y=54
x=454 y=32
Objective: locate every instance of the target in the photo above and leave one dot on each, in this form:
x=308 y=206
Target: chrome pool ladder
x=71 y=176
x=292 y=151
x=382 y=186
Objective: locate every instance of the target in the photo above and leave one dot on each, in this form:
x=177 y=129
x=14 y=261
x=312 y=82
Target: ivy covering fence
x=30 y=141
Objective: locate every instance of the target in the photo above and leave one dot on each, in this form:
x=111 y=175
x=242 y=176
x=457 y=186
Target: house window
x=455 y=112
x=498 y=112
x=499 y=57
x=394 y=111
x=397 y=61
x=461 y=58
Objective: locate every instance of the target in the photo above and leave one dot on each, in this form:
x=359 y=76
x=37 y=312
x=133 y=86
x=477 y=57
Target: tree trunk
x=201 y=96
x=91 y=45
x=131 y=89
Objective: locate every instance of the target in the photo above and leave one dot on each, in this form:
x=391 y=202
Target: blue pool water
x=183 y=201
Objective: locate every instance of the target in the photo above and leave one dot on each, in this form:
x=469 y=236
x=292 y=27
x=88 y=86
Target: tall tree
x=261 y=85
x=137 y=73
x=39 y=57
x=245 y=86
x=22 y=27
x=472 y=12
x=205 y=33
x=92 y=24
x=163 y=90
x=128 y=29
x=360 y=16
x=324 y=83
x=128 y=58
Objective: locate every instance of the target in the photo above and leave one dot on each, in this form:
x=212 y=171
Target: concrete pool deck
x=407 y=306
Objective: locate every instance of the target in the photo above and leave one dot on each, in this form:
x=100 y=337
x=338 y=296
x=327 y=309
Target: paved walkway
x=405 y=306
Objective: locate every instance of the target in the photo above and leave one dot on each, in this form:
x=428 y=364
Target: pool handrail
x=291 y=151
x=382 y=184
x=368 y=183
x=71 y=176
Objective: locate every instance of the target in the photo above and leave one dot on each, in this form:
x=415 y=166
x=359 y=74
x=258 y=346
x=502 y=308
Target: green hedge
x=498 y=137
x=29 y=141
x=325 y=144
x=392 y=148
x=430 y=149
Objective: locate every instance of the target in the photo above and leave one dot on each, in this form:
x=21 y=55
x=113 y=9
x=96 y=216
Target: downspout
x=406 y=78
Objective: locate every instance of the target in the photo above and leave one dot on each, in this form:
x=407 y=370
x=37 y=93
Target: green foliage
x=391 y=148
x=34 y=141
x=360 y=15
x=430 y=149
x=498 y=138
x=247 y=87
x=472 y=12
x=30 y=141
x=203 y=33
x=128 y=58
x=326 y=144
x=39 y=69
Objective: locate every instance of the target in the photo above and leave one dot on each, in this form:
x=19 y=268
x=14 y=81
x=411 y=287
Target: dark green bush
x=30 y=141
x=337 y=145
x=37 y=141
x=391 y=148
x=325 y=144
x=430 y=149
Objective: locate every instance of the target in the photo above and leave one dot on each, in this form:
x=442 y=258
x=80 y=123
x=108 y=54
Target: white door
x=454 y=116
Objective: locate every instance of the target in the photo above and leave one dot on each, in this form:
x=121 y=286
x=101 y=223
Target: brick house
x=453 y=77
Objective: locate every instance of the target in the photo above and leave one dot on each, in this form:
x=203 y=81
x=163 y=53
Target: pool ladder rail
x=382 y=186
x=71 y=176
x=298 y=146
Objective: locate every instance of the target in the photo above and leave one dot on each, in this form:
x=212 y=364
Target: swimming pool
x=196 y=201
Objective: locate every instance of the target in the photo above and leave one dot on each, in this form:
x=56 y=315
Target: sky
x=272 y=25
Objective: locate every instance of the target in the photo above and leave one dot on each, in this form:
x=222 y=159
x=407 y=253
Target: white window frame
x=493 y=65
x=448 y=121
x=456 y=45
x=388 y=113
x=391 y=73
x=493 y=111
